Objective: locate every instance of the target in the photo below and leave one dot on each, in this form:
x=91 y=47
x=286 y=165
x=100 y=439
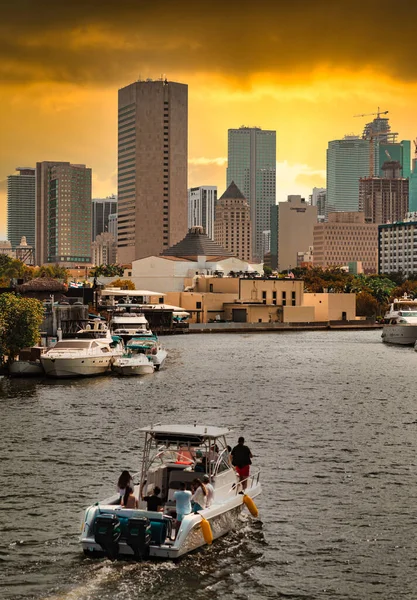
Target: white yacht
x=169 y=459
x=90 y=352
x=401 y=322
x=128 y=324
x=149 y=346
x=133 y=364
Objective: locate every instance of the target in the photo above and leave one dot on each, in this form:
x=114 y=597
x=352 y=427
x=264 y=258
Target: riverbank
x=268 y=327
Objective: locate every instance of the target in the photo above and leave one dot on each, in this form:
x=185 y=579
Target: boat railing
x=236 y=487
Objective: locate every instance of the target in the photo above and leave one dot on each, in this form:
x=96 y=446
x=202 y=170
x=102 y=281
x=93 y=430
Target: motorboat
x=401 y=322
x=170 y=459
x=133 y=364
x=151 y=347
x=90 y=352
x=28 y=364
x=129 y=324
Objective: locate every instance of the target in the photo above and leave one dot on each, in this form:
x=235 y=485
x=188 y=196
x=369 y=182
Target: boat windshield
x=65 y=344
x=408 y=313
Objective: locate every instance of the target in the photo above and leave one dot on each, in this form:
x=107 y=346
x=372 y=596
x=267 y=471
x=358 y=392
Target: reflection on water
x=331 y=418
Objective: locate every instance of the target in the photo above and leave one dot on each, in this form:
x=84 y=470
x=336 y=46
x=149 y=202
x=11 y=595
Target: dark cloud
x=87 y=41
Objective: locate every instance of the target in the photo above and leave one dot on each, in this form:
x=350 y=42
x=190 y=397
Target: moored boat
x=401 y=322
x=133 y=364
x=170 y=460
x=149 y=346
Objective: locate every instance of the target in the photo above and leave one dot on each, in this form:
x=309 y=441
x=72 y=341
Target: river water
x=331 y=418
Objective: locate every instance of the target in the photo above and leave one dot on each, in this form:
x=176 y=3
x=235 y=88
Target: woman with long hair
x=124 y=481
x=199 y=498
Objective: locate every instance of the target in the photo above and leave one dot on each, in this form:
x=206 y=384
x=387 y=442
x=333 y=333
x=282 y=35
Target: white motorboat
x=90 y=352
x=128 y=324
x=26 y=368
x=169 y=459
x=401 y=322
x=151 y=347
x=133 y=364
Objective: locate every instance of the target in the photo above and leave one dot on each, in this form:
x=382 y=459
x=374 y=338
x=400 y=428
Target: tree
x=267 y=270
x=20 y=320
x=366 y=305
x=53 y=271
x=107 y=271
x=124 y=284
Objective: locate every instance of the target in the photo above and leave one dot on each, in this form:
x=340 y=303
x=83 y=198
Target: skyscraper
x=102 y=208
x=252 y=166
x=21 y=206
x=152 y=176
x=63 y=213
x=347 y=162
x=201 y=206
x=384 y=199
x=232 y=226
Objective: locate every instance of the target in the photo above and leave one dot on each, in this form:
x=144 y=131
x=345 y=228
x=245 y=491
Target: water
x=331 y=418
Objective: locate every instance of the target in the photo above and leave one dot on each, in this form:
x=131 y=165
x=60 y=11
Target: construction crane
x=385 y=112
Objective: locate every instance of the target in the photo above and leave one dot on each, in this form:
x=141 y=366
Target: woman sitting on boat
x=124 y=481
x=199 y=497
x=129 y=500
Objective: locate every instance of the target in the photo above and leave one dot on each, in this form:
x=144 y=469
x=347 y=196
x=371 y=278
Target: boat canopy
x=193 y=434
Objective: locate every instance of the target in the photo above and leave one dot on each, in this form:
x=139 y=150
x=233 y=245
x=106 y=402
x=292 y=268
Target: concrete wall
x=329 y=307
x=299 y=314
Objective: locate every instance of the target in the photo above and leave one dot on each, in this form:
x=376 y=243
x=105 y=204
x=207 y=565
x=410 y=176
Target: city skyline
x=60 y=79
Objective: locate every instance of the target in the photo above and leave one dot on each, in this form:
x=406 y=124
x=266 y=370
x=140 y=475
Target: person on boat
x=154 y=502
x=199 y=466
x=182 y=499
x=199 y=498
x=124 y=481
x=241 y=460
x=129 y=500
x=210 y=490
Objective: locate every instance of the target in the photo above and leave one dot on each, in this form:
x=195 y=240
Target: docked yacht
x=401 y=322
x=90 y=352
x=129 y=324
x=133 y=364
x=169 y=458
x=149 y=346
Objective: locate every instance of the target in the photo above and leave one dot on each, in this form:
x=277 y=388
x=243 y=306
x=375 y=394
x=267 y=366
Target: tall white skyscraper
x=201 y=208
x=252 y=166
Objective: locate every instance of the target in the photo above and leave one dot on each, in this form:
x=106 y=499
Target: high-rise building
x=63 y=213
x=252 y=166
x=314 y=197
x=232 y=225
x=103 y=250
x=344 y=239
x=347 y=162
x=266 y=243
x=113 y=225
x=412 y=199
x=291 y=231
x=396 y=247
x=102 y=208
x=152 y=175
x=395 y=151
x=201 y=207
x=384 y=199
x=21 y=206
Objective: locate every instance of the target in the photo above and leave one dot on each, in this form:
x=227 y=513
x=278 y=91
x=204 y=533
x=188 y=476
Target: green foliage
x=267 y=270
x=107 y=271
x=54 y=271
x=10 y=268
x=20 y=319
x=124 y=284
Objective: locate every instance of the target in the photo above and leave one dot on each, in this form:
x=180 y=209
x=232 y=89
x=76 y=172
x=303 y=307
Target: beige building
x=346 y=238
x=63 y=214
x=104 y=250
x=152 y=168
x=384 y=199
x=296 y=221
x=232 y=224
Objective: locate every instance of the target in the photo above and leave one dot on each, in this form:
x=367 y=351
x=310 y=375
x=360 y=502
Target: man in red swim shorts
x=241 y=460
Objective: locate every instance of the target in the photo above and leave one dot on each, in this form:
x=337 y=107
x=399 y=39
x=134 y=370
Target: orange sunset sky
x=302 y=68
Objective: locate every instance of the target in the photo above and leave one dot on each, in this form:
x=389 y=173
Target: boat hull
x=402 y=334
x=158 y=359
x=130 y=370
x=26 y=368
x=76 y=367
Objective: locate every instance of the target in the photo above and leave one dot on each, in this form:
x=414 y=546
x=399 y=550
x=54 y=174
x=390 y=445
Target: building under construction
x=384 y=199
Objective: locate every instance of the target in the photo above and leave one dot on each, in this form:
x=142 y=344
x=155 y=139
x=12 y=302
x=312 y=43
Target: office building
x=344 y=239
x=21 y=206
x=63 y=213
x=201 y=206
x=412 y=199
x=152 y=168
x=104 y=250
x=266 y=243
x=347 y=162
x=384 y=199
x=292 y=227
x=232 y=225
x=102 y=208
x=113 y=225
x=397 y=248
x=252 y=166
x=314 y=196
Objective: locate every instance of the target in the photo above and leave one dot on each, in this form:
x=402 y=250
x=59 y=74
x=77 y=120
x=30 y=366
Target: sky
x=303 y=68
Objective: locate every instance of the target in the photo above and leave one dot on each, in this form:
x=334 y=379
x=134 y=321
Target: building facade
x=21 y=192
x=232 y=225
x=152 y=167
x=384 y=199
x=347 y=162
x=63 y=213
x=252 y=166
x=104 y=250
x=201 y=208
x=113 y=225
x=344 y=239
x=397 y=248
x=412 y=200
x=102 y=208
x=294 y=222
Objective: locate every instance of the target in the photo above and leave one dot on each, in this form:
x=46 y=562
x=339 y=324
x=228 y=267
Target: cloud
x=106 y=42
x=221 y=161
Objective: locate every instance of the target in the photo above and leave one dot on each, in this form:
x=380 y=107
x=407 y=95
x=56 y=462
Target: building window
x=198 y=305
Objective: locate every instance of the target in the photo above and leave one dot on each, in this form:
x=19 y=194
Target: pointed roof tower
x=196 y=243
x=232 y=193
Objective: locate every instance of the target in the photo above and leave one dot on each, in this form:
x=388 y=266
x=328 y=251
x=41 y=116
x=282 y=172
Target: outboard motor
x=138 y=536
x=107 y=534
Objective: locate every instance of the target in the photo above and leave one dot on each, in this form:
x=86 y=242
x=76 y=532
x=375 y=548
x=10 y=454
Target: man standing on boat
x=241 y=460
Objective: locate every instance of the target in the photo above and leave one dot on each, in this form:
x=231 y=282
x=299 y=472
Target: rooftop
x=196 y=243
